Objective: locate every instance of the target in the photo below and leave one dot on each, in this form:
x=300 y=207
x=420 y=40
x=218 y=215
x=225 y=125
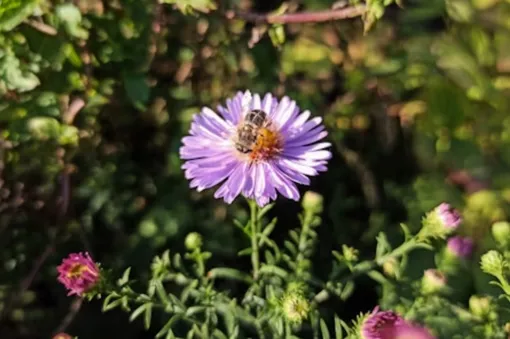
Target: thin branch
x=49 y=249
x=42 y=27
x=68 y=319
x=76 y=105
x=303 y=17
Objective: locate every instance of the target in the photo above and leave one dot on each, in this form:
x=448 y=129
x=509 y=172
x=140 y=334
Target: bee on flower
x=256 y=146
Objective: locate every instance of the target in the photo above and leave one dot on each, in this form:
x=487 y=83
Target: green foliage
x=13 y=12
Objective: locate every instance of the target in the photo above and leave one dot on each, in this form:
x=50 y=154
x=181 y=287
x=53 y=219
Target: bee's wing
x=246 y=103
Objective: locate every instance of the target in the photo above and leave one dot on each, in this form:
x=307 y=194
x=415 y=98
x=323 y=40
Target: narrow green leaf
x=273 y=270
x=177 y=260
x=136 y=313
x=244 y=228
x=230 y=322
x=218 y=334
x=243 y=252
x=194 y=310
x=148 y=316
x=383 y=246
x=162 y=294
x=268 y=229
x=407 y=232
x=170 y=335
x=377 y=276
x=294 y=235
x=229 y=273
x=339 y=332
x=167 y=327
x=107 y=305
x=264 y=210
x=291 y=247
x=324 y=330
x=124 y=304
x=270 y=259
x=347 y=290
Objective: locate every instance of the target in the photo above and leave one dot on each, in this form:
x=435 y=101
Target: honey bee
x=249 y=130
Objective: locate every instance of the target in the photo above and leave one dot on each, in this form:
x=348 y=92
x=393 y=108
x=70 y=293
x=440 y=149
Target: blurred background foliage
x=96 y=96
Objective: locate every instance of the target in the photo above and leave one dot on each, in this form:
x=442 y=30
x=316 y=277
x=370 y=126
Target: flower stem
x=255 y=229
x=368 y=265
x=303 y=237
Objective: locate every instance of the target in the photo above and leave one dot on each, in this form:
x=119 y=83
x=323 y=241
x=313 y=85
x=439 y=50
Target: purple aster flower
x=379 y=323
x=78 y=273
x=448 y=216
x=389 y=325
x=461 y=247
x=410 y=331
x=257 y=147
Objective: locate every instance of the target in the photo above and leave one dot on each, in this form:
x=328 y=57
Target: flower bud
x=193 y=241
x=501 y=232
x=313 y=202
x=479 y=306
x=350 y=254
x=492 y=262
x=433 y=281
x=449 y=217
x=460 y=247
x=440 y=222
x=391 y=267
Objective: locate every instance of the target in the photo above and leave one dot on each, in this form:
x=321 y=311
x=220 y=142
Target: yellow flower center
x=267 y=145
x=77 y=270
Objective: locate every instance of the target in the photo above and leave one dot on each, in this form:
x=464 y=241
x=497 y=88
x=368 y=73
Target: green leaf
x=148 y=316
x=14 y=77
x=107 y=305
x=218 y=334
x=138 y=311
x=70 y=16
x=68 y=135
x=277 y=35
x=339 y=332
x=194 y=310
x=407 y=232
x=229 y=273
x=243 y=252
x=264 y=210
x=347 y=290
x=170 y=335
x=43 y=128
x=383 y=246
x=291 y=247
x=273 y=270
x=13 y=12
x=230 y=324
x=269 y=228
x=162 y=294
x=187 y=6
x=324 y=330
x=125 y=277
